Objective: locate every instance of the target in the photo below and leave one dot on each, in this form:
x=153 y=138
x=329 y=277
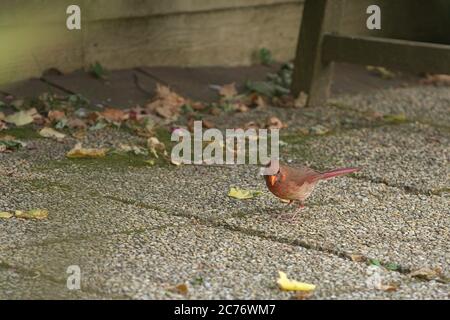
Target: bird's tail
x=338 y=172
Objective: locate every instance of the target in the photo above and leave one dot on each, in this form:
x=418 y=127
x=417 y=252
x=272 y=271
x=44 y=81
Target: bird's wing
x=300 y=175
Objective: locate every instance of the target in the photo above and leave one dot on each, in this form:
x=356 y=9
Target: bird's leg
x=292 y=217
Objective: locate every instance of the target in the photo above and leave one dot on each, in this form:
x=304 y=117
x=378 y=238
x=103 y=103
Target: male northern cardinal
x=296 y=184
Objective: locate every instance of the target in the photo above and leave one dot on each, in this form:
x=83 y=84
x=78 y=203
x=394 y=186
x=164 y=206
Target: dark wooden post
x=311 y=74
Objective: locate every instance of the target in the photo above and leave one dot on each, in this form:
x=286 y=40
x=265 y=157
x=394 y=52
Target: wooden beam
x=311 y=75
x=399 y=54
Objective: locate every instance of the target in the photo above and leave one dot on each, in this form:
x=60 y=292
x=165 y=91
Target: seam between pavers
x=408 y=120
x=213 y=222
x=91 y=236
x=57 y=86
x=86 y=289
x=406 y=189
x=152 y=76
x=4 y=266
x=210 y=222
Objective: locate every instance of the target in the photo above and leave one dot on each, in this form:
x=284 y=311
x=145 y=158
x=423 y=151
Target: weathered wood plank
x=118 y=90
x=229 y=37
x=311 y=74
x=30 y=88
x=195 y=82
x=118 y=9
x=400 y=54
x=17 y=12
x=29 y=50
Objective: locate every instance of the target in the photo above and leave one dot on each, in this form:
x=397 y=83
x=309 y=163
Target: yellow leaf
x=5 y=215
x=32 y=214
x=242 y=194
x=293 y=285
x=51 y=133
x=80 y=152
x=21 y=118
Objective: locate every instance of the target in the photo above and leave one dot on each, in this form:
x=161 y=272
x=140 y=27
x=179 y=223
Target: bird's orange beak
x=272 y=180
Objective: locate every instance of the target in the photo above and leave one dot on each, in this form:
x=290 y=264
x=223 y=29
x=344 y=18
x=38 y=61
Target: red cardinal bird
x=297 y=184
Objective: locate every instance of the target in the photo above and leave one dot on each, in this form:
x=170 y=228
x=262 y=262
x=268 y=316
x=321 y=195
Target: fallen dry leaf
x=198 y=106
x=381 y=72
x=5 y=215
x=242 y=194
x=228 y=91
x=437 y=79
x=114 y=115
x=22 y=118
x=387 y=287
x=133 y=149
x=357 y=258
x=79 y=135
x=166 y=104
x=426 y=273
x=79 y=152
x=56 y=115
x=274 y=123
x=255 y=100
x=154 y=144
x=240 y=107
x=293 y=285
x=76 y=123
x=251 y=125
x=303 y=295
x=51 y=133
x=181 y=289
x=32 y=214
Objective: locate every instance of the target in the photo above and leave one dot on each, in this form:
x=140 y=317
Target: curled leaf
x=228 y=90
x=242 y=194
x=293 y=285
x=51 y=133
x=79 y=152
x=32 y=214
x=5 y=215
x=22 y=118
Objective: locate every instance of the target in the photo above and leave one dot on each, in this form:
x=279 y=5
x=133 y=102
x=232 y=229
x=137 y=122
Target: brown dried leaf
x=426 y=273
x=388 y=287
x=181 y=289
x=251 y=125
x=166 y=103
x=215 y=111
x=303 y=295
x=228 y=91
x=357 y=258
x=114 y=115
x=198 y=106
x=240 y=107
x=207 y=124
x=437 y=79
x=274 y=123
x=76 y=124
x=56 y=115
